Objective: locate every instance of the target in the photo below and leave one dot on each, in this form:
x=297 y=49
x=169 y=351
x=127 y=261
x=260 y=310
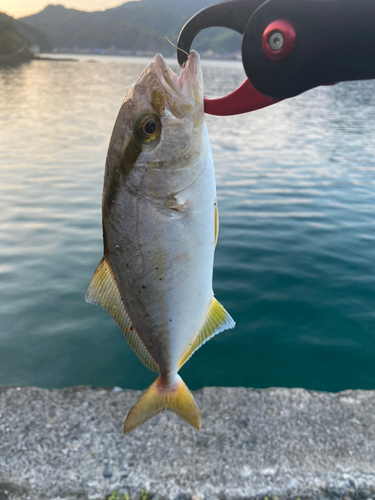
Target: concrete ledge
x=288 y=443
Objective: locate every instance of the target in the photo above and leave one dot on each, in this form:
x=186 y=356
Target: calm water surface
x=295 y=260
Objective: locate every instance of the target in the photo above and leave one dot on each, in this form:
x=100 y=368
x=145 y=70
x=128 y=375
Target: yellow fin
x=103 y=291
x=158 y=398
x=216 y=223
x=216 y=321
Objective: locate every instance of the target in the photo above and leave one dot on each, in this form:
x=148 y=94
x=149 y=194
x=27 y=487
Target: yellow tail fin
x=158 y=398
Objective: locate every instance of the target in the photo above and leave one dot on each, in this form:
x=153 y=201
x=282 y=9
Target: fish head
x=158 y=146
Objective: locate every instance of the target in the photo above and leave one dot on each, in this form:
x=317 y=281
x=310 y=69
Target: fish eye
x=150 y=127
x=147 y=129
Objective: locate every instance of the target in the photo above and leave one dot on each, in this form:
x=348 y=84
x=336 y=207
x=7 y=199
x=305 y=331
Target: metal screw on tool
x=279 y=40
x=276 y=41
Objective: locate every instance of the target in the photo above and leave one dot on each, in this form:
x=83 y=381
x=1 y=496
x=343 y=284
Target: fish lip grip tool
x=289 y=46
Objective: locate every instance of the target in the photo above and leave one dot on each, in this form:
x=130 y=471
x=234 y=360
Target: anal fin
x=216 y=223
x=103 y=291
x=217 y=320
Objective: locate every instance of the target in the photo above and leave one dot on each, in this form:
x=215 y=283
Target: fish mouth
x=184 y=92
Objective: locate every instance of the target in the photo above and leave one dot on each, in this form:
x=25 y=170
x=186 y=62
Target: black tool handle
x=232 y=14
x=335 y=41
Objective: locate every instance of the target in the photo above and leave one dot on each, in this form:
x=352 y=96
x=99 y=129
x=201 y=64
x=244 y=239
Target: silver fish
x=160 y=226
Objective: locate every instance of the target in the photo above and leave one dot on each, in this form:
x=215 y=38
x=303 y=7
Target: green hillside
x=13 y=45
x=140 y=25
x=33 y=35
x=16 y=38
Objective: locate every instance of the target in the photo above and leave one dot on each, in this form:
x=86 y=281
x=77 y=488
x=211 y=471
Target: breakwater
x=67 y=444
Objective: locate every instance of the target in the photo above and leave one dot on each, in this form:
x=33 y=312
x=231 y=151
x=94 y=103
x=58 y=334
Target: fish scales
x=160 y=229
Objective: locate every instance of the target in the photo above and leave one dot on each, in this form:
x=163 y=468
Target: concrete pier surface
x=67 y=444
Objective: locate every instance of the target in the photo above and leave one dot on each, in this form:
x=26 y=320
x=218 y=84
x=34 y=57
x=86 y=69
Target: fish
x=160 y=227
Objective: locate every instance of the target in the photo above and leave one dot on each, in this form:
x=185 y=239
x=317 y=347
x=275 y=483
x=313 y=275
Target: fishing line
x=175 y=46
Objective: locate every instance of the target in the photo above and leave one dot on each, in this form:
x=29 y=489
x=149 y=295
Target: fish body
x=160 y=225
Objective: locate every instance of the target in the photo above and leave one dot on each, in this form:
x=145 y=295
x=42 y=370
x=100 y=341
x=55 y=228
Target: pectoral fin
x=216 y=321
x=103 y=291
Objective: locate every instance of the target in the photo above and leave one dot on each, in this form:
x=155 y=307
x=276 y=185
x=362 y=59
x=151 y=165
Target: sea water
x=295 y=259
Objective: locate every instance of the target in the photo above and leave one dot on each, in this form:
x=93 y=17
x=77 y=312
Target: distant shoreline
x=228 y=56
x=21 y=55
x=38 y=58
x=89 y=57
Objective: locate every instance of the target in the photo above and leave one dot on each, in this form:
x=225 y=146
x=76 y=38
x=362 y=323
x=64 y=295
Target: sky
x=19 y=8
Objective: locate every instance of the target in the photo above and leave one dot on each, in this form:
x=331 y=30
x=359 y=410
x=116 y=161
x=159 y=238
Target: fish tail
x=160 y=397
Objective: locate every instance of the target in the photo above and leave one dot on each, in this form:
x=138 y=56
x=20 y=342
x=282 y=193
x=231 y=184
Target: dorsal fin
x=103 y=291
x=216 y=321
